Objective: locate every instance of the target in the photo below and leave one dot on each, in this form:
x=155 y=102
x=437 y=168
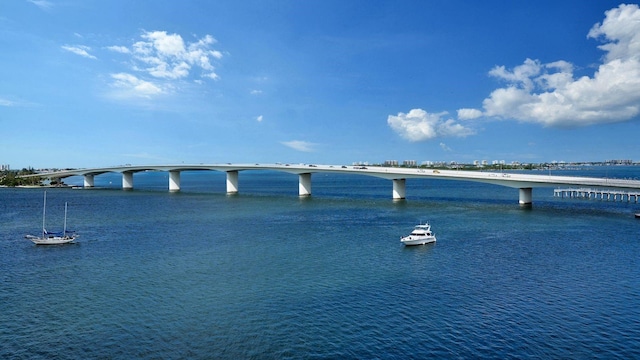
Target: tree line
x=10 y=178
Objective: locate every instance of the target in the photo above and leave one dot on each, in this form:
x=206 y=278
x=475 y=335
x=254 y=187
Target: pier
x=598 y=194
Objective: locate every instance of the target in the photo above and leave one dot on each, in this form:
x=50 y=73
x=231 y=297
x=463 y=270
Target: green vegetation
x=10 y=178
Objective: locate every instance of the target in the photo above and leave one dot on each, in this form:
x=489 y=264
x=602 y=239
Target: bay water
x=265 y=274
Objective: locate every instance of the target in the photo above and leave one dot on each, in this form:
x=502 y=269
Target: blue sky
x=87 y=83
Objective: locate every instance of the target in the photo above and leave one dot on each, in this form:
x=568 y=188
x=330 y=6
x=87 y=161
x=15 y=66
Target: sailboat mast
x=64 y=231
x=44 y=211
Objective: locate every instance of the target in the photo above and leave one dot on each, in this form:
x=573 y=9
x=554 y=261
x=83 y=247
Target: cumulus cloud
x=168 y=56
x=468 y=114
x=158 y=59
x=79 y=50
x=551 y=95
x=419 y=125
x=299 y=145
x=130 y=86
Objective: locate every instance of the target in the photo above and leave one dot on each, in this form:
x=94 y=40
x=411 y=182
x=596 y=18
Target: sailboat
x=48 y=238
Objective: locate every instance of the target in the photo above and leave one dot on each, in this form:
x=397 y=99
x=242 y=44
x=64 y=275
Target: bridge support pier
x=88 y=181
x=304 y=184
x=399 y=189
x=232 y=182
x=127 y=180
x=174 y=180
x=526 y=197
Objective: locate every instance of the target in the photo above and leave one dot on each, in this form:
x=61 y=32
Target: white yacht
x=420 y=235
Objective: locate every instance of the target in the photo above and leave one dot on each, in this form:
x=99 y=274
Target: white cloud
x=621 y=28
x=259 y=118
x=419 y=125
x=167 y=56
x=216 y=54
x=468 y=114
x=444 y=147
x=79 y=50
x=119 y=49
x=12 y=101
x=303 y=146
x=128 y=86
x=549 y=94
x=5 y=102
x=212 y=76
x=42 y=4
x=159 y=59
x=256 y=92
x=165 y=45
x=521 y=74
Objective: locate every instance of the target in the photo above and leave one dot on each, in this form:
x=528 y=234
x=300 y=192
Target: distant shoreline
x=39 y=186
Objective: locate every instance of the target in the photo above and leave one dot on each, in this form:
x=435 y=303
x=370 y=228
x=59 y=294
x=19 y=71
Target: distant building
x=391 y=163
x=619 y=162
x=409 y=163
x=5 y=167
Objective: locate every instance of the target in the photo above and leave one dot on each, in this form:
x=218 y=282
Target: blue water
x=266 y=274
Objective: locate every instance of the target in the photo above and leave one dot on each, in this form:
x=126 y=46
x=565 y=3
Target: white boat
x=420 y=235
x=48 y=238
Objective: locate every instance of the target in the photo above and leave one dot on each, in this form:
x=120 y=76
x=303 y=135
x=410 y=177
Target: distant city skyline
x=88 y=83
x=405 y=163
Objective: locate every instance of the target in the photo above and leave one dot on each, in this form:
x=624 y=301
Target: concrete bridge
x=398 y=176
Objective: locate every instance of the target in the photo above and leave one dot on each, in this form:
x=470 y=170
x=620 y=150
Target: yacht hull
x=409 y=240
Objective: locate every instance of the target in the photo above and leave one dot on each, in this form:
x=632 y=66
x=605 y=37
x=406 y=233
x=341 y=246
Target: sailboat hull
x=54 y=240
